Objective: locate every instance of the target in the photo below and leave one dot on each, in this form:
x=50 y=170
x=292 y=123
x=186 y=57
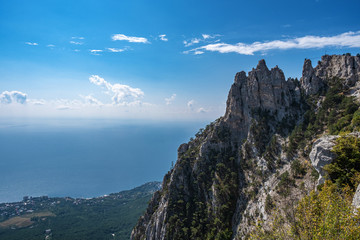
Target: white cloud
x=116 y=49
x=191 y=42
x=63 y=107
x=122 y=37
x=32 y=43
x=348 y=39
x=190 y=104
x=50 y=45
x=89 y=99
x=206 y=36
x=76 y=43
x=81 y=38
x=95 y=51
x=169 y=100
x=36 y=101
x=7 y=97
x=198 y=52
x=121 y=94
x=202 y=110
x=163 y=37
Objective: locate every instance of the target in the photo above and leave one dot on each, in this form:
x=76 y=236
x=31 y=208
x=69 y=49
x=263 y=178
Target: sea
x=85 y=158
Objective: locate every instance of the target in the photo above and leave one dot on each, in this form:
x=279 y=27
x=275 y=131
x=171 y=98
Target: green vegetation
x=297 y=168
x=24 y=220
x=338 y=113
x=283 y=187
x=191 y=216
x=323 y=215
x=345 y=167
x=97 y=218
x=326 y=213
x=269 y=205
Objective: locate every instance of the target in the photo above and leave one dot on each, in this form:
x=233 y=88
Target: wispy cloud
x=116 y=50
x=95 y=51
x=31 y=43
x=348 y=39
x=8 y=97
x=202 y=110
x=50 y=45
x=121 y=94
x=163 y=37
x=169 y=100
x=76 y=43
x=190 y=104
x=89 y=99
x=63 y=107
x=191 y=42
x=204 y=38
x=36 y=101
x=122 y=37
x=209 y=36
x=198 y=52
x=81 y=38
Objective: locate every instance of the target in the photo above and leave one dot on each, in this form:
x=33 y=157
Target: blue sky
x=172 y=60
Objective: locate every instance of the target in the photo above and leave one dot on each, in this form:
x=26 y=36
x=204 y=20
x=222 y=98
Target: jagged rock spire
x=309 y=81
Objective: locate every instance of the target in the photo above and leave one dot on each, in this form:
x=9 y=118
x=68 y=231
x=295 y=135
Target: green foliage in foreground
x=323 y=215
x=328 y=213
x=96 y=218
x=347 y=162
x=337 y=114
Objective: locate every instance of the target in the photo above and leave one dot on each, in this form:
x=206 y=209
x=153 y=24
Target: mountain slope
x=243 y=165
x=106 y=217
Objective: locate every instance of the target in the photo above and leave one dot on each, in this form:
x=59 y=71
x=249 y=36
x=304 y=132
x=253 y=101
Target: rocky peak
x=261 y=67
x=309 y=81
x=341 y=66
x=262 y=90
x=222 y=178
x=346 y=67
x=240 y=77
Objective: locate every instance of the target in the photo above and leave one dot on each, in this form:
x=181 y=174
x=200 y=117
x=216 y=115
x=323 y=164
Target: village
x=30 y=205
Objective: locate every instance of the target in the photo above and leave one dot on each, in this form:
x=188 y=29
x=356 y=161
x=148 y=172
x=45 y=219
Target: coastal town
x=31 y=205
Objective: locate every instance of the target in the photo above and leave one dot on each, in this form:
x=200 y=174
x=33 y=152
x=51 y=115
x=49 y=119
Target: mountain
x=107 y=217
x=250 y=170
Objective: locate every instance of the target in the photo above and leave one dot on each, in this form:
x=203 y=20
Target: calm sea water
x=85 y=158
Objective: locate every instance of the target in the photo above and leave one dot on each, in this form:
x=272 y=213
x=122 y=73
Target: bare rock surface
x=356 y=199
x=321 y=154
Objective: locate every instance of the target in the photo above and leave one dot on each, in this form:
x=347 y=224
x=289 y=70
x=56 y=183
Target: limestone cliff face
x=341 y=66
x=262 y=90
x=222 y=177
x=321 y=154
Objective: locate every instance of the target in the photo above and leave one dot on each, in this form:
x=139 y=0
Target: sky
x=158 y=60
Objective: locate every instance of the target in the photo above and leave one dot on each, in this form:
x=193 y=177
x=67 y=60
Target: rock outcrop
x=263 y=90
x=220 y=181
x=310 y=82
x=356 y=198
x=321 y=154
x=340 y=66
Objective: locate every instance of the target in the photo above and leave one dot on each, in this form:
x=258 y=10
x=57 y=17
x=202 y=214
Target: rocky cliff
x=223 y=179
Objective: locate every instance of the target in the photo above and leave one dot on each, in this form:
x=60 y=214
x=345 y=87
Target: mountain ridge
x=221 y=181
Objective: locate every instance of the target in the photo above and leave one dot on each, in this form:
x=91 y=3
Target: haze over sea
x=85 y=158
